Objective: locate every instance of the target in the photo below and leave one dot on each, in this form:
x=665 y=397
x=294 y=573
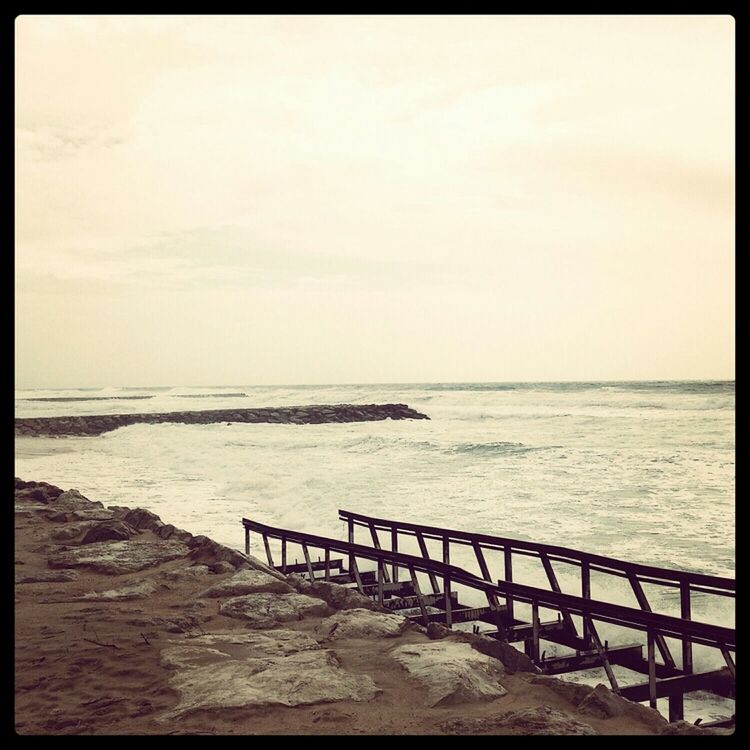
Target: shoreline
x=96 y=424
x=128 y=625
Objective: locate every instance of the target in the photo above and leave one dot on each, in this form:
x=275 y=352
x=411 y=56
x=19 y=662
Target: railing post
x=247 y=540
x=650 y=640
x=586 y=594
x=350 y=522
x=283 y=556
x=328 y=564
x=535 y=632
x=446 y=550
x=394 y=548
x=381 y=570
x=685 y=614
x=508 y=558
x=448 y=604
x=676 y=707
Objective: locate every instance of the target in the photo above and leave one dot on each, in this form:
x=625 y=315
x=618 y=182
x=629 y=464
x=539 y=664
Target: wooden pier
x=394 y=583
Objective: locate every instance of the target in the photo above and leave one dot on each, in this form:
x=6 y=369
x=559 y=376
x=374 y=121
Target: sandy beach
x=126 y=625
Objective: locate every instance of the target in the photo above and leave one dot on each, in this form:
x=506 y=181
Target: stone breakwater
x=100 y=423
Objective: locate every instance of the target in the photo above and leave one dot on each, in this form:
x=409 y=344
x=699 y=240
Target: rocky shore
x=100 y=423
x=125 y=624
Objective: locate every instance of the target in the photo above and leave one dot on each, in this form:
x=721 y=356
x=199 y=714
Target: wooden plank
x=482 y=562
x=336 y=564
x=610 y=563
x=676 y=705
x=393 y=589
x=586 y=594
x=376 y=544
x=603 y=654
x=718 y=681
x=555 y=585
x=268 y=550
x=448 y=601
x=508 y=564
x=686 y=614
x=651 y=670
x=357 y=577
x=350 y=538
x=730 y=662
x=589 y=659
x=640 y=596
x=463 y=614
x=420 y=598
x=381 y=570
x=426 y=555
x=535 y=633
x=412 y=602
x=394 y=548
x=497 y=616
x=308 y=563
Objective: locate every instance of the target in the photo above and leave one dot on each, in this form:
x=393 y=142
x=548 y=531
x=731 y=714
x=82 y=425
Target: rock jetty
x=317 y=414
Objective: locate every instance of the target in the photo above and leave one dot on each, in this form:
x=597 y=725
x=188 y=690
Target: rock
x=209 y=551
x=136 y=590
x=451 y=672
x=71 y=531
x=247 y=582
x=142 y=519
x=115 y=530
x=165 y=531
x=49 y=576
x=191 y=571
x=267 y=610
x=543 y=720
x=513 y=659
x=221 y=567
x=362 y=623
x=569 y=691
x=69 y=516
x=602 y=703
x=74 y=500
x=116 y=558
x=343 y=597
x=244 y=670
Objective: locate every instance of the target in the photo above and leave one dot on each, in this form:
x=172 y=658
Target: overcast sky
x=259 y=200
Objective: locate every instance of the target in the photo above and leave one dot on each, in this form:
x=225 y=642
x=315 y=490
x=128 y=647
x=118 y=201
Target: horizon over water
x=638 y=470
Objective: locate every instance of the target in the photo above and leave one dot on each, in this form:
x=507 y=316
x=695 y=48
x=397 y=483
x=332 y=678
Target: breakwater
x=99 y=423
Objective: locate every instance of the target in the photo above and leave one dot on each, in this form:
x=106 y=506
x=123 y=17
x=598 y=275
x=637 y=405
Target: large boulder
x=247 y=670
x=248 y=582
x=362 y=623
x=116 y=558
x=336 y=595
x=602 y=703
x=513 y=659
x=74 y=500
x=572 y=692
x=542 y=720
x=268 y=610
x=109 y=530
x=451 y=672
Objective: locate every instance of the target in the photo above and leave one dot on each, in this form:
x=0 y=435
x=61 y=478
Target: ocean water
x=640 y=471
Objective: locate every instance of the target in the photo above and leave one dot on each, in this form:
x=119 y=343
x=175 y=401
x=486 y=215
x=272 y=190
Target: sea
x=640 y=471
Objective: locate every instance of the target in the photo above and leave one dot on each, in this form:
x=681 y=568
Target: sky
x=368 y=199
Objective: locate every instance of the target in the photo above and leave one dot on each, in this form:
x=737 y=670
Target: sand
x=97 y=666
